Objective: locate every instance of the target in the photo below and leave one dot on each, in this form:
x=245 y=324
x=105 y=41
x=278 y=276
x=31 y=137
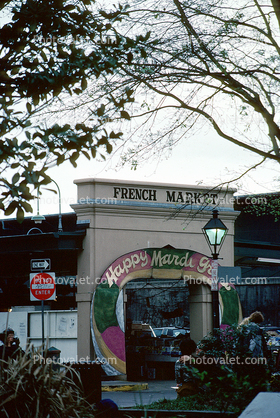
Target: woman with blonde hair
x=256 y=317
x=245 y=321
x=255 y=338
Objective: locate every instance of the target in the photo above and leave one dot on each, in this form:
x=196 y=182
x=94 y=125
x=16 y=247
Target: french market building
x=148 y=232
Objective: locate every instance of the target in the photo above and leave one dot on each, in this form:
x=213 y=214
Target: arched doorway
x=107 y=314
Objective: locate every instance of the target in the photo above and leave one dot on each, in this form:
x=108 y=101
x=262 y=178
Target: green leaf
x=15 y=165
x=35 y=99
x=100 y=111
x=73 y=158
x=28 y=107
x=15 y=178
x=11 y=208
x=86 y=155
x=20 y=215
x=143 y=53
x=125 y=115
x=109 y=148
x=84 y=83
x=129 y=57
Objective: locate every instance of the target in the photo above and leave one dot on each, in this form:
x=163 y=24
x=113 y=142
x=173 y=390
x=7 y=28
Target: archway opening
x=157 y=319
x=107 y=313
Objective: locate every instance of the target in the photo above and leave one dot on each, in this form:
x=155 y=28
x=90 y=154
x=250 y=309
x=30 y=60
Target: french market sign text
x=134 y=193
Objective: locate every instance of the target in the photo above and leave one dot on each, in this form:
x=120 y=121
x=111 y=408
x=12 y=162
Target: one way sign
x=42 y=264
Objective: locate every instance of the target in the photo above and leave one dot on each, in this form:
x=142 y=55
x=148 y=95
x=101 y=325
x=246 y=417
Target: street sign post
x=214 y=275
x=42 y=287
x=42 y=264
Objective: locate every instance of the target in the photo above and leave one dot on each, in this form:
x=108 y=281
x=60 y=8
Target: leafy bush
x=228 y=383
x=233 y=375
x=199 y=402
x=275 y=382
x=30 y=388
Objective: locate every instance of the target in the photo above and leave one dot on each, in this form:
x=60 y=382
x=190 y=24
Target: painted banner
x=107 y=315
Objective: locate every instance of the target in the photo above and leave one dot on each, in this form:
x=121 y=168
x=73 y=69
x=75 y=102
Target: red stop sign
x=42 y=286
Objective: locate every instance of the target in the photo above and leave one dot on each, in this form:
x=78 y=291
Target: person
x=184 y=376
x=9 y=345
x=245 y=321
x=255 y=340
x=254 y=343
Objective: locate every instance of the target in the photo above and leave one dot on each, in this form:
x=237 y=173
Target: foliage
x=199 y=402
x=214 y=61
x=275 y=382
x=262 y=205
x=69 y=69
x=30 y=388
x=227 y=383
x=49 y=48
x=233 y=375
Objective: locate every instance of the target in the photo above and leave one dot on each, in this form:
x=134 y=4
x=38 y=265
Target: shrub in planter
x=30 y=388
x=275 y=382
x=232 y=373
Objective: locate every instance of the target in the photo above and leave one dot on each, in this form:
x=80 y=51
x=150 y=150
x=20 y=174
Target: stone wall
x=261 y=297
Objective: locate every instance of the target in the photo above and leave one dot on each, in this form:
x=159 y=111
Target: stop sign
x=42 y=286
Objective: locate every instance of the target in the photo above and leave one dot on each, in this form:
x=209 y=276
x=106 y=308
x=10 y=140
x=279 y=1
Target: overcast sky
x=205 y=159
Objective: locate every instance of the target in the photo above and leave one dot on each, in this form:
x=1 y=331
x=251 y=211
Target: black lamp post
x=215 y=232
x=39 y=218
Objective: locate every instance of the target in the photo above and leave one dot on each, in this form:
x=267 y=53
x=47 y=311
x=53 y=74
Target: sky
x=205 y=159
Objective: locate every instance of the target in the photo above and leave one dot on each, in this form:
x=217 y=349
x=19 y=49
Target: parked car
x=141 y=330
x=274 y=335
x=172 y=332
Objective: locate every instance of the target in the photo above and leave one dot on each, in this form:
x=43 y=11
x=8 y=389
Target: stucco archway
x=107 y=316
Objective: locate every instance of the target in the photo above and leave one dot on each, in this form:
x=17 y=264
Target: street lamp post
x=215 y=232
x=39 y=218
x=60 y=229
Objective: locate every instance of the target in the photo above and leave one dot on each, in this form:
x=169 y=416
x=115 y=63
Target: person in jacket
x=9 y=345
x=187 y=384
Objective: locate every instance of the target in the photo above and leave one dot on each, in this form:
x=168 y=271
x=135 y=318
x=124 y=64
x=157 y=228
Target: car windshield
x=169 y=332
x=158 y=331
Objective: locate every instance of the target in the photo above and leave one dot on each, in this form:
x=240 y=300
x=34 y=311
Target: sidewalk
x=123 y=386
x=128 y=394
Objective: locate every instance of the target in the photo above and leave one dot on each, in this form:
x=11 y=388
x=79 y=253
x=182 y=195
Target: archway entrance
x=107 y=312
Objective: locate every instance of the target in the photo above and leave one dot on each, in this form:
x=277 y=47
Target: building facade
x=130 y=251
x=146 y=231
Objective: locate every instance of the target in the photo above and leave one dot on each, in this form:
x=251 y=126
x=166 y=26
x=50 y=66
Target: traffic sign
x=214 y=275
x=40 y=264
x=42 y=286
